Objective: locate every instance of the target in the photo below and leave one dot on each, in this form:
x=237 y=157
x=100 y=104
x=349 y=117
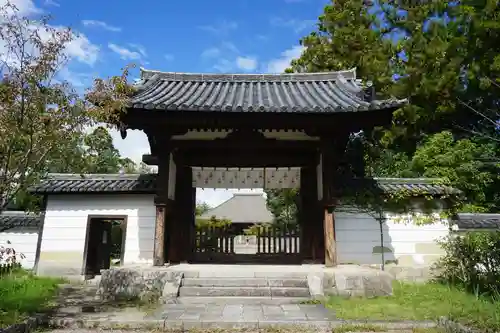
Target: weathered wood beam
x=161 y=203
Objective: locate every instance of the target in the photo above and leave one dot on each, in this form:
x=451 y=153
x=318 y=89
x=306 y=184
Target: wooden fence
x=274 y=239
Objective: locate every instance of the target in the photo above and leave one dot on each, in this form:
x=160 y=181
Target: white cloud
x=280 y=64
x=82 y=49
x=224 y=65
x=101 y=24
x=212 y=52
x=124 y=53
x=169 y=57
x=25 y=7
x=221 y=28
x=294 y=24
x=246 y=63
x=141 y=49
x=52 y=3
x=226 y=58
x=78 y=80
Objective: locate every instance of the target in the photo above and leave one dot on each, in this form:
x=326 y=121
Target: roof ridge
x=147 y=74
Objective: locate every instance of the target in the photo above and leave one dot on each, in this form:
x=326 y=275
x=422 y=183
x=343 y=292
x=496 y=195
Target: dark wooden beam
x=238 y=144
x=323 y=123
x=235 y=159
x=150 y=159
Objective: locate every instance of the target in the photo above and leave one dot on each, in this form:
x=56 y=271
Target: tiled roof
x=299 y=93
x=242 y=208
x=412 y=186
x=96 y=183
x=15 y=219
x=478 y=221
x=415 y=185
x=146 y=183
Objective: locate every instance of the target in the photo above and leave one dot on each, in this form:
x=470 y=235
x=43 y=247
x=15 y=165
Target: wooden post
x=161 y=200
x=159 y=245
x=330 y=242
x=332 y=151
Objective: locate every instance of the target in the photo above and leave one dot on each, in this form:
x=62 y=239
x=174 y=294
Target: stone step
x=243 y=282
x=244 y=291
x=231 y=272
x=241 y=300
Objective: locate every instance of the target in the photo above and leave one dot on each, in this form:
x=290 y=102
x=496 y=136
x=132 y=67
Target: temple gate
x=246 y=131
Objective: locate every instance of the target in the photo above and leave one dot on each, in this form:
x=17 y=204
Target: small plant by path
x=23 y=294
x=416 y=302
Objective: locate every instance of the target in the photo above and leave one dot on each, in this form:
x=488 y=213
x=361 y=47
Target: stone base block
x=357 y=281
x=137 y=283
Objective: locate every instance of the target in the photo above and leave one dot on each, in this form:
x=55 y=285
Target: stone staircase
x=243 y=290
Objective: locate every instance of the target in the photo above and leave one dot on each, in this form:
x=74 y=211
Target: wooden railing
x=278 y=239
x=214 y=239
x=272 y=239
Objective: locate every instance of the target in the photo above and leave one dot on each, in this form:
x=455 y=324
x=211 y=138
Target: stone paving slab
x=243 y=312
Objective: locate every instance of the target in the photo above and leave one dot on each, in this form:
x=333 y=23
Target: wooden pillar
x=308 y=216
x=332 y=151
x=184 y=207
x=192 y=224
x=161 y=203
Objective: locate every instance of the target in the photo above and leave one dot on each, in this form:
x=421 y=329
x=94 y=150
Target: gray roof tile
x=16 y=219
x=299 y=93
x=467 y=221
x=96 y=183
x=242 y=208
x=146 y=183
x=413 y=186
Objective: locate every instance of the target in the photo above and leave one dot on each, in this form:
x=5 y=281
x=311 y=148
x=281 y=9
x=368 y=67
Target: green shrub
x=472 y=260
x=213 y=222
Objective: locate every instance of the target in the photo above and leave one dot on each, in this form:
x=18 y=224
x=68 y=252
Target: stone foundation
x=407 y=273
x=163 y=283
x=147 y=284
x=356 y=281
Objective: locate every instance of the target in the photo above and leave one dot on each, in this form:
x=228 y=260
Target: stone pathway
x=83 y=313
x=248 y=315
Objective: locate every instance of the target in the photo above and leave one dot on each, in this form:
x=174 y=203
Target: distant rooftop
x=242 y=208
x=18 y=219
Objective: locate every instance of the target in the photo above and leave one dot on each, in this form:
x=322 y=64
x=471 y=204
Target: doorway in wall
x=105 y=243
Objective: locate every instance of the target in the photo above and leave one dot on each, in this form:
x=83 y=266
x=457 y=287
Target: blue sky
x=238 y=36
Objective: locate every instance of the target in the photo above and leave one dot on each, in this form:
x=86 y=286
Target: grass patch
x=427 y=301
x=22 y=294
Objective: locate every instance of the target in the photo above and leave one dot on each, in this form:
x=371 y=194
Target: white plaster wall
x=23 y=241
x=64 y=231
x=358 y=237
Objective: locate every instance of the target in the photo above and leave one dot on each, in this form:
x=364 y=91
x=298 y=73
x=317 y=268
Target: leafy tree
x=38 y=114
x=444 y=56
x=202 y=208
x=101 y=156
x=282 y=203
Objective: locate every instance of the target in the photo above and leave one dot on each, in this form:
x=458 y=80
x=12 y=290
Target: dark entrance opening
x=105 y=243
